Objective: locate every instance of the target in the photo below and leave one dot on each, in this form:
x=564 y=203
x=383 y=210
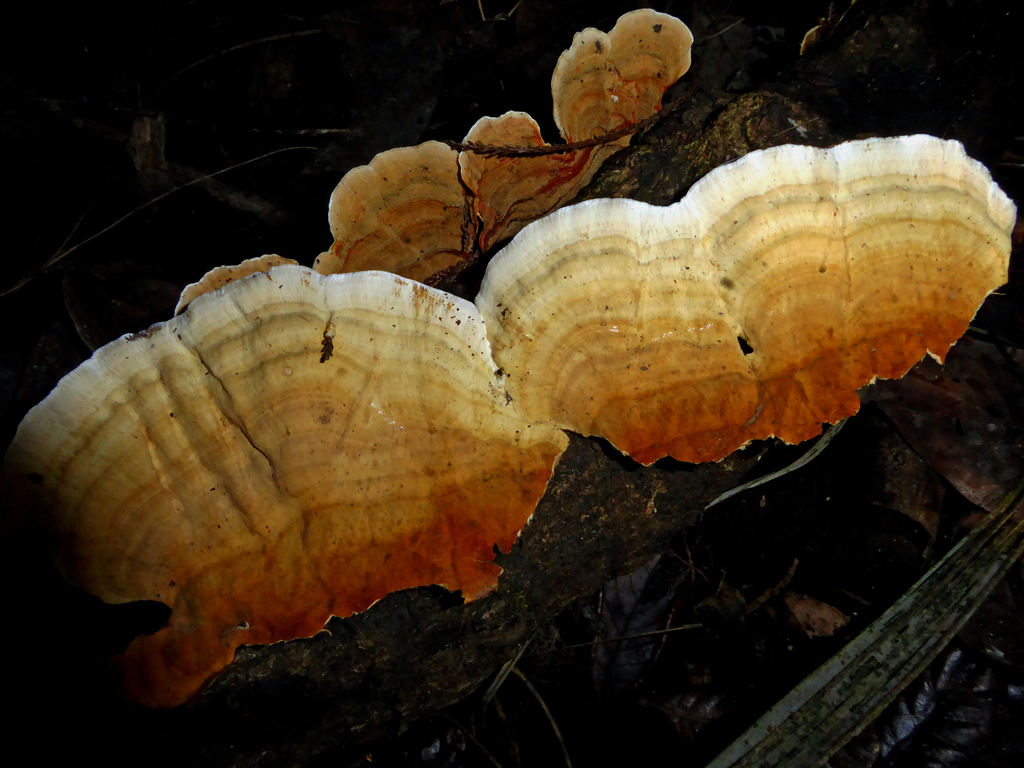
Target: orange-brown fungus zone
x=292 y=448
x=510 y=192
x=757 y=305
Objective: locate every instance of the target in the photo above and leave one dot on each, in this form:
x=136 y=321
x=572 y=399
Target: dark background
x=345 y=81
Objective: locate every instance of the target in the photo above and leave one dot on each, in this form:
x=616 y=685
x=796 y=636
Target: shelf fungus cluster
x=422 y=212
x=295 y=446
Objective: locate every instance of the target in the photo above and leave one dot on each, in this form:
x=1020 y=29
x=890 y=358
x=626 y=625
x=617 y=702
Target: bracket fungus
x=292 y=447
x=510 y=192
x=420 y=211
x=295 y=446
x=607 y=80
x=405 y=212
x=602 y=83
x=756 y=306
x=218 y=277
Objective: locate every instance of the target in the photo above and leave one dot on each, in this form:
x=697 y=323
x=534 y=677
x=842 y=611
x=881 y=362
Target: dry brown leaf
x=813 y=617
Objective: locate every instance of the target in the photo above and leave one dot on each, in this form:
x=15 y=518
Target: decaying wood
x=417 y=651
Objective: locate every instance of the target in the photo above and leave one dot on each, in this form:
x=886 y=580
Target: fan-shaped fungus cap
x=606 y=80
x=757 y=305
x=405 y=212
x=292 y=447
x=601 y=83
x=218 y=277
x=510 y=192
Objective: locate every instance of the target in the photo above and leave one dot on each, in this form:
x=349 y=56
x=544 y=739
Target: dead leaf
x=693 y=711
x=963 y=418
x=813 y=617
x=632 y=605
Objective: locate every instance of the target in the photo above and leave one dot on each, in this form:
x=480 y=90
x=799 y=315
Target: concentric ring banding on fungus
x=405 y=212
x=218 y=277
x=757 y=305
x=408 y=211
x=601 y=83
x=293 y=447
x=297 y=446
x=606 y=80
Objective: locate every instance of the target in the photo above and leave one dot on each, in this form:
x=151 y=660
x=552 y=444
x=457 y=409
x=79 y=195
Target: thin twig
x=232 y=49
x=513 y=746
x=512 y=150
x=614 y=639
x=723 y=30
x=498 y=16
x=63 y=106
x=764 y=598
x=547 y=712
x=503 y=673
x=81 y=218
x=818 y=447
x=627 y=129
x=474 y=739
x=692 y=570
x=60 y=254
x=349 y=132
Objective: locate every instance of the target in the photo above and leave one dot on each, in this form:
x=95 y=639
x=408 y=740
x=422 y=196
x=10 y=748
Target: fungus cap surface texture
x=510 y=192
x=757 y=305
x=408 y=212
x=604 y=81
x=218 y=277
x=403 y=212
x=296 y=446
x=293 y=447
